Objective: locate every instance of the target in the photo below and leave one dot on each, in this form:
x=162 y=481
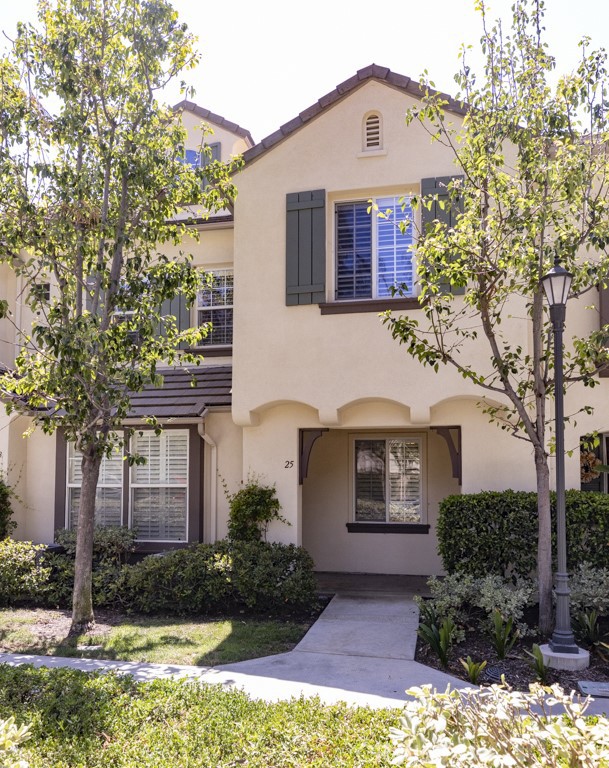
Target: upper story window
x=373 y=138
x=215 y=306
x=200 y=159
x=372 y=253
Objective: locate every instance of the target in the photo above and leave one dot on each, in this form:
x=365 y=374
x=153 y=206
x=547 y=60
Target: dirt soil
x=53 y=625
x=519 y=673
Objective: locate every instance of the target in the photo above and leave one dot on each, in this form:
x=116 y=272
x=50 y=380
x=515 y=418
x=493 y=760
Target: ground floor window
x=151 y=498
x=388 y=479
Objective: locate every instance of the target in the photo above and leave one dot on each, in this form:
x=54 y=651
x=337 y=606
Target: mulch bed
x=519 y=674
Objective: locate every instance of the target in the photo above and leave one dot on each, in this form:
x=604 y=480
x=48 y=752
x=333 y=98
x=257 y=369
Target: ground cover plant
x=493 y=623
x=162 y=640
x=91 y=720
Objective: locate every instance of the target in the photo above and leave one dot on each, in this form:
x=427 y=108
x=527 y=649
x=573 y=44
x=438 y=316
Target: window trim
x=368 y=526
x=202 y=345
x=195 y=508
x=404 y=192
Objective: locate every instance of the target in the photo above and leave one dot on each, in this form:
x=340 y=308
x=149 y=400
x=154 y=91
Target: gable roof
x=212 y=117
x=371 y=72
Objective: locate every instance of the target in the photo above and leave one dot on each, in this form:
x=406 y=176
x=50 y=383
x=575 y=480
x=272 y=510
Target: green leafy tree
x=91 y=179
x=531 y=183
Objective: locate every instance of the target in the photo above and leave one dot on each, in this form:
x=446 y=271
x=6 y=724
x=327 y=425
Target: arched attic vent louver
x=372 y=132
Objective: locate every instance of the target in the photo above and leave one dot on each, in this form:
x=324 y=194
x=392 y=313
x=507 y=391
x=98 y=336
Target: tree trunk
x=82 y=598
x=544 y=542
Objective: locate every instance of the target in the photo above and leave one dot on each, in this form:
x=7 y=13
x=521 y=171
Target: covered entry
x=370 y=498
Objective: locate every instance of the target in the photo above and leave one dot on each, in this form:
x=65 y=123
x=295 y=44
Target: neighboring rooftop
x=212 y=117
x=371 y=72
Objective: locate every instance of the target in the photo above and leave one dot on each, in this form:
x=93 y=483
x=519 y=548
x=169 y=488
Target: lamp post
x=556 y=285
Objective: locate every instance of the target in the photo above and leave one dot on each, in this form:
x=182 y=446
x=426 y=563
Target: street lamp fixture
x=556 y=285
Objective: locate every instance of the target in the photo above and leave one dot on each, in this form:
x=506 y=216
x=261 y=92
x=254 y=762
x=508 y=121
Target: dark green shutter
x=216 y=151
x=306 y=247
x=178 y=307
x=446 y=214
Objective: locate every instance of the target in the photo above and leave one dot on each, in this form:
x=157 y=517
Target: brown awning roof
x=186 y=393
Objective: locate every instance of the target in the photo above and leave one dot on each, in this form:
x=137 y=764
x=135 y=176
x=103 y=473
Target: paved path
x=360 y=650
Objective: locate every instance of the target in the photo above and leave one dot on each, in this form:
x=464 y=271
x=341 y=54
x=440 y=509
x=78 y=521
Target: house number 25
x=288 y=465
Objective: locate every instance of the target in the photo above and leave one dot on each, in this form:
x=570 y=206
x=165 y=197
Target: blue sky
x=266 y=60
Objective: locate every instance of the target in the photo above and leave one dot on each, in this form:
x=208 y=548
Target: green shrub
x=11 y=738
x=216 y=578
x=589 y=588
x=110 y=544
x=23 y=577
x=508 y=596
x=7 y=524
x=498 y=727
x=195 y=580
x=451 y=597
x=252 y=508
x=470 y=602
x=494 y=532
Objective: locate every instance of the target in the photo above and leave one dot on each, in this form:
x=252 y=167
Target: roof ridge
x=370 y=72
x=212 y=117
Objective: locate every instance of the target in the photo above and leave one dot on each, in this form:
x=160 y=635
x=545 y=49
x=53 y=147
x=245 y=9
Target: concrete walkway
x=360 y=650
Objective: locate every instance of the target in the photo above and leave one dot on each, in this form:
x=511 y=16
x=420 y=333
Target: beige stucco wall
x=225 y=469
x=30 y=471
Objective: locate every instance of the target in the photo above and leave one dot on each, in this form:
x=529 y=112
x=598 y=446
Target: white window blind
x=159 y=488
x=109 y=496
x=215 y=306
x=374 y=253
x=388 y=480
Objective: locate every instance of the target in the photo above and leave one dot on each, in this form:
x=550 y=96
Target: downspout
x=213 y=471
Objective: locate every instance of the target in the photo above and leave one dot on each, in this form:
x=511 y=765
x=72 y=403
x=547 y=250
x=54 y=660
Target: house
x=301 y=384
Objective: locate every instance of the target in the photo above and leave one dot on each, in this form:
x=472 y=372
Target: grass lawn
x=81 y=720
x=202 y=642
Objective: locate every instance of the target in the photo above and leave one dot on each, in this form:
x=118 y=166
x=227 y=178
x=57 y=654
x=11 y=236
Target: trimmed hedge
x=22 y=575
x=256 y=576
x=495 y=532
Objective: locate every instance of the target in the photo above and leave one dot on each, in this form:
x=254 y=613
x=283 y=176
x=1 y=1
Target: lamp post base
x=565 y=661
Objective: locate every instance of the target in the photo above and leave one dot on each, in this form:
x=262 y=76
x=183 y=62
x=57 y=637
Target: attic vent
x=372 y=132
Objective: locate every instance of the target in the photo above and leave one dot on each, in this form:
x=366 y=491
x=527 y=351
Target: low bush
x=11 y=738
x=589 y=589
x=23 y=577
x=216 y=578
x=7 y=524
x=252 y=508
x=494 y=532
x=110 y=544
x=499 y=727
x=472 y=601
x=111 y=547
